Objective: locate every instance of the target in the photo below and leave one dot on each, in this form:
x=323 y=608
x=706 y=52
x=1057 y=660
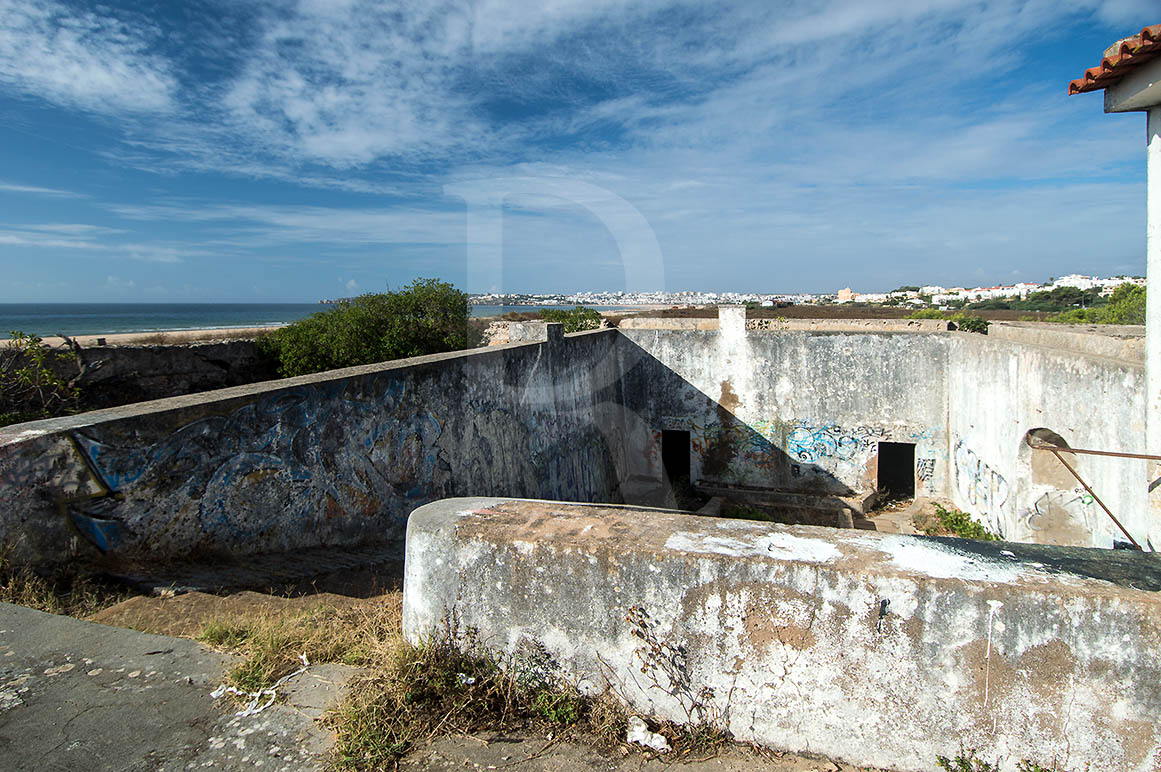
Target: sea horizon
x=49 y=319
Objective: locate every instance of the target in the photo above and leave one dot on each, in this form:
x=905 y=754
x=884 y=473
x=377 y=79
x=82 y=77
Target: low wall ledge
x=875 y=649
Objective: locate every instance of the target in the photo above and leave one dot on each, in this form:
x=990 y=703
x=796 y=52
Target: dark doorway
x=897 y=469
x=675 y=454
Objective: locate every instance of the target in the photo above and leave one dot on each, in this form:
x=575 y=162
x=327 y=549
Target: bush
x=970 y=323
x=573 y=319
x=961 y=320
x=1125 y=306
x=31 y=386
x=957 y=523
x=426 y=317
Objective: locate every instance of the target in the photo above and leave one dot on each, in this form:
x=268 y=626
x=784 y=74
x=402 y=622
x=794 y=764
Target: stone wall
x=335 y=458
x=876 y=649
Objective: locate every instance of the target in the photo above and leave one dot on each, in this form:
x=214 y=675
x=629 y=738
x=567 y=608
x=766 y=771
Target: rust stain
x=729 y=400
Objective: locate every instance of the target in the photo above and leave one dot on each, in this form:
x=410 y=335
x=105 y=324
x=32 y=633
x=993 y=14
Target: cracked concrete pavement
x=78 y=695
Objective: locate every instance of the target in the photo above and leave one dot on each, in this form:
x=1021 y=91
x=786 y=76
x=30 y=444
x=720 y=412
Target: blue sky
x=281 y=151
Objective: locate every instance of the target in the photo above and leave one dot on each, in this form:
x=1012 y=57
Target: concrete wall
x=794 y=411
x=804 y=412
x=121 y=375
x=876 y=649
x=336 y=458
x=998 y=391
x=340 y=458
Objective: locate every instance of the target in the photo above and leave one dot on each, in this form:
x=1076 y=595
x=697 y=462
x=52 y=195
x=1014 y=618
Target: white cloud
x=80 y=59
x=34 y=190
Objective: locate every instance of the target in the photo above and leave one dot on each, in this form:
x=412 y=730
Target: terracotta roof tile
x=1120 y=59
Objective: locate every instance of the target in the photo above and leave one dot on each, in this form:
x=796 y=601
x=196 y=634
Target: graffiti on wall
x=812 y=444
x=326 y=463
x=984 y=489
x=1065 y=517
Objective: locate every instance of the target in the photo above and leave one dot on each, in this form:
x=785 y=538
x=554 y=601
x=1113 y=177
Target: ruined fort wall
x=999 y=390
x=804 y=412
x=794 y=410
x=335 y=458
x=879 y=650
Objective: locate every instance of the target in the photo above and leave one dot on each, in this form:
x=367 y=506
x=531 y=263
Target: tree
x=573 y=319
x=31 y=382
x=428 y=316
x=1125 y=306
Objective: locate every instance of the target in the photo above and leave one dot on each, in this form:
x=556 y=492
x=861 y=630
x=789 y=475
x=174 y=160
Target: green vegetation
x=427 y=316
x=573 y=319
x=448 y=684
x=31 y=386
x=1056 y=299
x=956 y=523
x=961 y=320
x=1125 y=306
x=968 y=761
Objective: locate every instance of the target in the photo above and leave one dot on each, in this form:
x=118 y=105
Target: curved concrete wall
x=805 y=412
x=336 y=458
x=340 y=458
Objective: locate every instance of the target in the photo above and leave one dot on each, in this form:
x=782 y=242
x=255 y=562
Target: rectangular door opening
x=675 y=454
x=896 y=470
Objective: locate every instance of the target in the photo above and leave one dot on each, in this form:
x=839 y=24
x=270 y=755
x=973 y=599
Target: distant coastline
x=120 y=321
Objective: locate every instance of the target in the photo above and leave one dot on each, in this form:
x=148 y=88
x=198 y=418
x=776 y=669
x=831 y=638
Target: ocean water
x=46 y=319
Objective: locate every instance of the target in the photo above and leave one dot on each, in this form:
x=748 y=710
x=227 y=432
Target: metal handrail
x=1057 y=451
x=1041 y=445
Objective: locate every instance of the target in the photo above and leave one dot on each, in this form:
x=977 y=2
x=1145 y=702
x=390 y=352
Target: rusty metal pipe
x=1056 y=452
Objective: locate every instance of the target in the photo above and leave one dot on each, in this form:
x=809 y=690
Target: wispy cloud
x=90 y=60
x=34 y=190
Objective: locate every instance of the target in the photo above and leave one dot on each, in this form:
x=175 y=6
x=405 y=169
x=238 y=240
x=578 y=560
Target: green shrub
x=960 y=524
x=426 y=317
x=970 y=323
x=573 y=319
x=1125 y=306
x=927 y=313
x=961 y=320
x=31 y=386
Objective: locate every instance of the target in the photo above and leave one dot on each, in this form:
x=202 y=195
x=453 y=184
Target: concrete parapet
x=878 y=649
x=1125 y=342
x=668 y=323
x=849 y=325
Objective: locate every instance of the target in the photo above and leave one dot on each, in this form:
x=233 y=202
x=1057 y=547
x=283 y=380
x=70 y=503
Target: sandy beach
x=171 y=337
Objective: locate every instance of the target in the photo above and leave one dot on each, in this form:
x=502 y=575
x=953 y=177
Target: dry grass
x=185 y=339
x=76 y=594
x=270 y=642
x=449 y=684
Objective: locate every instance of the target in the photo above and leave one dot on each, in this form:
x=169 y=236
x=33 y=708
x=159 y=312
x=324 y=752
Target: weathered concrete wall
x=877 y=649
x=804 y=412
x=998 y=390
x=335 y=458
x=1125 y=342
x=790 y=410
x=666 y=323
x=849 y=325
x=341 y=457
